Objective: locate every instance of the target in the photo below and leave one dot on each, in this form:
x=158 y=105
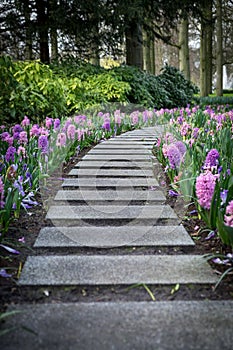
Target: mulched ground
x=29 y=225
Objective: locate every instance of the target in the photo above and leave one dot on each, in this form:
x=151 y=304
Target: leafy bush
x=42 y=92
x=8 y=84
x=179 y=90
x=71 y=86
x=139 y=93
x=31 y=88
x=169 y=89
x=72 y=68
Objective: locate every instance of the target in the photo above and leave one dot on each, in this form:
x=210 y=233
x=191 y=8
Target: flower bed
x=197 y=154
x=31 y=152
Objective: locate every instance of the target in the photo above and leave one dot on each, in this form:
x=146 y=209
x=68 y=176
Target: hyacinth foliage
x=203 y=172
x=32 y=152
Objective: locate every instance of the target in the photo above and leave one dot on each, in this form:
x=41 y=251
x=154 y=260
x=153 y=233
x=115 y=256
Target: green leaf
x=175 y=289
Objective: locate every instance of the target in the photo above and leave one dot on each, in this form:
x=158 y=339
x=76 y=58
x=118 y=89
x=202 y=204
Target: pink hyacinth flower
x=205 y=185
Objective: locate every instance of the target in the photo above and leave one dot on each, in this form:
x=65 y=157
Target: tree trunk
x=28 y=31
x=219 y=56
x=209 y=47
x=53 y=28
x=184 y=48
x=94 y=45
x=54 y=44
x=94 y=56
x=134 y=45
x=206 y=49
x=146 y=52
x=203 y=53
x=152 y=56
x=42 y=23
x=158 y=49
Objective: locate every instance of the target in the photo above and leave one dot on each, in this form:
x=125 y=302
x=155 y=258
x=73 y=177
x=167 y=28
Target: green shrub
x=35 y=89
x=30 y=88
x=169 y=89
x=139 y=93
x=74 y=68
x=8 y=84
x=179 y=90
x=42 y=91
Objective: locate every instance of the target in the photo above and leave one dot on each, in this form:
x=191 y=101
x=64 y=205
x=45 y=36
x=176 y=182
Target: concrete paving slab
x=138 y=139
x=137 y=133
x=116 y=145
x=131 y=141
x=120 y=157
x=165 y=325
x=114 y=164
x=110 y=196
x=111 y=172
x=116 y=269
x=127 y=141
x=134 y=151
x=110 y=182
x=111 y=236
x=111 y=212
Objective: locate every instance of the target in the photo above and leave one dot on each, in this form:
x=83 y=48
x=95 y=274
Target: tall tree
x=219 y=54
x=209 y=48
x=184 y=47
x=206 y=48
x=52 y=14
x=28 y=30
x=42 y=26
x=134 y=44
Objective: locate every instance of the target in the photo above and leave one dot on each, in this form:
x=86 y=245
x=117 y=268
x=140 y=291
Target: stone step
x=114 y=164
x=120 y=157
x=147 y=132
x=120 y=151
x=111 y=173
x=129 y=142
x=110 y=182
x=111 y=212
x=111 y=145
x=137 y=133
x=142 y=140
x=138 y=138
x=111 y=236
x=55 y=270
x=110 y=195
x=133 y=134
x=160 y=325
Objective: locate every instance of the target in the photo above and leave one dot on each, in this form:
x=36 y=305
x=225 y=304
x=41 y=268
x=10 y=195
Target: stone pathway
x=110 y=200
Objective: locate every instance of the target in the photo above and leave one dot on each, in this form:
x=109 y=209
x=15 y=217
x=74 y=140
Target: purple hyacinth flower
x=212 y=158
x=4 y=274
x=223 y=196
x=173 y=193
x=43 y=143
x=106 y=124
x=10 y=154
x=9 y=249
x=174 y=156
